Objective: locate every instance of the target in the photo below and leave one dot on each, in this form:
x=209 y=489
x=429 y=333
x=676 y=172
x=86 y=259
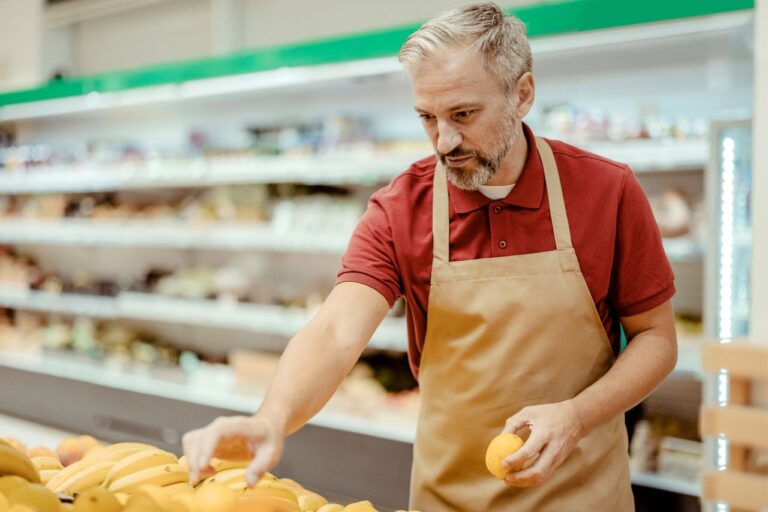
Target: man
x=520 y=260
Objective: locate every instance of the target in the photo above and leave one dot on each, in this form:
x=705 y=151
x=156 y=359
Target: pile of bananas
x=137 y=477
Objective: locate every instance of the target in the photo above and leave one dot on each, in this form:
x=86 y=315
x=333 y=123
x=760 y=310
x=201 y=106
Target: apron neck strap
x=555 y=195
x=441 y=214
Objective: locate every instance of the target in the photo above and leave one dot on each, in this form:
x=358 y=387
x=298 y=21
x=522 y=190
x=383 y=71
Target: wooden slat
x=738 y=489
x=738 y=394
x=739 y=391
x=740 y=424
x=741 y=359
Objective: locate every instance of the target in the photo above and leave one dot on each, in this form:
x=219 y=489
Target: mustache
x=456 y=153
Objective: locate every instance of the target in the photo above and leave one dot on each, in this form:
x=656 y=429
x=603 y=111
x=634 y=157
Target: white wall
x=760 y=179
x=185 y=29
x=271 y=22
x=168 y=31
x=20 y=50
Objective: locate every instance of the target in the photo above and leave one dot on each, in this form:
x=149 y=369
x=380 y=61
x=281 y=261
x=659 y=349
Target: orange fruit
x=501 y=447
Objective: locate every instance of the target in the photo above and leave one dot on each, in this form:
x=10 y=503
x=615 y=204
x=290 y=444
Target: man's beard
x=487 y=164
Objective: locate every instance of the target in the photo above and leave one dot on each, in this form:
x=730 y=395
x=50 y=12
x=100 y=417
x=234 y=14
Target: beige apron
x=504 y=333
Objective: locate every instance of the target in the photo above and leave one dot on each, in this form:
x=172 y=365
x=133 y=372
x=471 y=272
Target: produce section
x=84 y=476
x=156 y=256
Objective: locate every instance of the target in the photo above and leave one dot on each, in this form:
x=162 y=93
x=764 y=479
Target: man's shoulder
x=576 y=159
x=408 y=186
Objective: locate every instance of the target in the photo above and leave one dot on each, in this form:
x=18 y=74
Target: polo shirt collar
x=527 y=193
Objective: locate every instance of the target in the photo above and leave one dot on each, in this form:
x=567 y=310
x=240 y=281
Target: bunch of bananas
x=137 y=477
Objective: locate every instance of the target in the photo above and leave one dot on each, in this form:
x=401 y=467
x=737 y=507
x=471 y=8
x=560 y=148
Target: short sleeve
x=370 y=257
x=642 y=276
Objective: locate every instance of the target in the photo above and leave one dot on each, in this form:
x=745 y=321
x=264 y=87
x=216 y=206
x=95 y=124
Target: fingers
x=518 y=422
x=535 y=474
x=527 y=455
x=265 y=456
x=245 y=436
x=192 y=444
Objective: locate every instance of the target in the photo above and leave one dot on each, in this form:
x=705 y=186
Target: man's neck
x=512 y=166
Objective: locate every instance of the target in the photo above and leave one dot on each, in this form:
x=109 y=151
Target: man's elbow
x=670 y=354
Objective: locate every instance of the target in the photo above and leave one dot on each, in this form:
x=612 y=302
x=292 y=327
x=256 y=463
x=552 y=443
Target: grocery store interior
x=179 y=180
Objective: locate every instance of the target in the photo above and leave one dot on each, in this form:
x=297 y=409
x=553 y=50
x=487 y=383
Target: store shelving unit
x=217 y=391
x=211 y=236
x=182 y=402
x=169 y=234
x=666 y=483
x=356 y=168
x=254 y=318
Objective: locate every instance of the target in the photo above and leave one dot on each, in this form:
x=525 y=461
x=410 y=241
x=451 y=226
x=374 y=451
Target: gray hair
x=501 y=40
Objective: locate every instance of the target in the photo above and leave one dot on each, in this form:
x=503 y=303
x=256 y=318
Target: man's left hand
x=555 y=430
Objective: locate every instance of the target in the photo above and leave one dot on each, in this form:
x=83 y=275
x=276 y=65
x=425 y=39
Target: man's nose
x=448 y=138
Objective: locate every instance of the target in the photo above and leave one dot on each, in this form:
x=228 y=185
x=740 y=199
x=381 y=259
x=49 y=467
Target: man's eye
x=463 y=114
x=426 y=117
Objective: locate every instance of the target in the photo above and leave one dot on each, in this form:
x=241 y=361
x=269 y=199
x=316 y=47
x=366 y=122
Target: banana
x=120 y=452
x=238 y=487
x=43 y=463
x=112 y=453
x=287 y=482
x=310 y=501
x=279 y=484
x=219 y=465
x=331 y=507
x=228 y=476
x=159 y=475
x=14 y=462
x=47 y=474
x=90 y=476
x=180 y=488
x=277 y=491
x=138 y=461
x=115 y=452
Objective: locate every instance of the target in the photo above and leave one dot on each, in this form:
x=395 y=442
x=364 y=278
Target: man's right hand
x=253 y=438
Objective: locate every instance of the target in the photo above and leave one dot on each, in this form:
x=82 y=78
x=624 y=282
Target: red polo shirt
x=613 y=231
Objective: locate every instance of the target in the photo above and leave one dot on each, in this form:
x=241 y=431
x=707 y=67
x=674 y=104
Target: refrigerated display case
x=727 y=307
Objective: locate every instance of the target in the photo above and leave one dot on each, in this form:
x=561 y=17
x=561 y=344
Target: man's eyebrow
x=465 y=106
x=460 y=106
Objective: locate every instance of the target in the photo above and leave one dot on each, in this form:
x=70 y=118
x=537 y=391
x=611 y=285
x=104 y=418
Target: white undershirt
x=495 y=192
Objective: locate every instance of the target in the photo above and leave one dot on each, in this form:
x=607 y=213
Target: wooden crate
x=744 y=425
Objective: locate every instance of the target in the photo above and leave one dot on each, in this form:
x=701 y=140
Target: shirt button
x=496 y=209
x=502 y=244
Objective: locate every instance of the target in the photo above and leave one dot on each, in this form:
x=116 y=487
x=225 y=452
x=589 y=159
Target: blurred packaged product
x=680 y=458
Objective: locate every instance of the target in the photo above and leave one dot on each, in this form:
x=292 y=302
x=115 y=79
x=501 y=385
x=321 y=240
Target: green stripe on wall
x=544 y=19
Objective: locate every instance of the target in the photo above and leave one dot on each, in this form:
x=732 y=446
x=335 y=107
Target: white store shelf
x=354 y=168
x=655 y=155
x=683 y=248
x=666 y=483
x=216 y=390
x=264 y=319
x=169 y=234
x=215 y=236
x=689 y=355
x=32 y=434
x=275 y=320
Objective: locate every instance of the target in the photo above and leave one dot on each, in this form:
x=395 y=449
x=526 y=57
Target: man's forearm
x=310 y=369
x=319 y=357
x=648 y=359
